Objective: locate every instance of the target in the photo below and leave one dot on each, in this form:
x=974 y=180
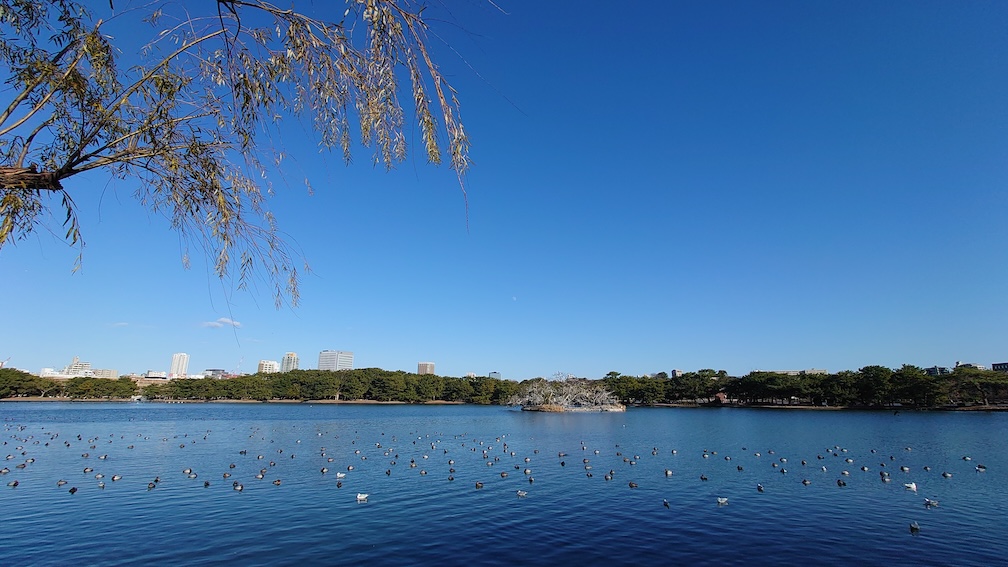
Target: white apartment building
x=335 y=360
x=289 y=362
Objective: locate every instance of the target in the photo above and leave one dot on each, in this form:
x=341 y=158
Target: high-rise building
x=268 y=367
x=289 y=362
x=179 y=365
x=335 y=360
x=425 y=368
x=495 y=374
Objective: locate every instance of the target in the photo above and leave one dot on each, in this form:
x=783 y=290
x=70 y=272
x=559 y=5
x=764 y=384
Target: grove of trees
x=871 y=386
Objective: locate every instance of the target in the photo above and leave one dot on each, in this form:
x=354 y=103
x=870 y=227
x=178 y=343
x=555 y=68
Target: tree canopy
x=194 y=118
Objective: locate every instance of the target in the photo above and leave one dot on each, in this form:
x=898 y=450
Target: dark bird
x=73 y=489
x=633 y=484
x=759 y=488
x=665 y=502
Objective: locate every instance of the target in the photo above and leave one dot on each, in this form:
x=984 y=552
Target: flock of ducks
x=420 y=449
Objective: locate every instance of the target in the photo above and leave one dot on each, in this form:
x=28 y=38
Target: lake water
x=567 y=517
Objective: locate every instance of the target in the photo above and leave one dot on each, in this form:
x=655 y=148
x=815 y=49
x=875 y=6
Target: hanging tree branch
x=186 y=125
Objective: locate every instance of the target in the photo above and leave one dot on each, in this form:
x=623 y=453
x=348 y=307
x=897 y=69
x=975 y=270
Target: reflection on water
x=403 y=457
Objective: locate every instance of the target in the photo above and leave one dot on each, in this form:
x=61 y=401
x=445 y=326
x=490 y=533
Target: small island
x=569 y=395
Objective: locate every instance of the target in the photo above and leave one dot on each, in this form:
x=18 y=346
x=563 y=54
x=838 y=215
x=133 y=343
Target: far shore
x=805 y=407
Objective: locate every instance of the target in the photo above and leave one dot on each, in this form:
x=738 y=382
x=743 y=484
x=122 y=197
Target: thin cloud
x=222 y=322
x=120 y=324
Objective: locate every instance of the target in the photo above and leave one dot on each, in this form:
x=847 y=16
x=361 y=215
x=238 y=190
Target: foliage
x=373 y=384
x=194 y=119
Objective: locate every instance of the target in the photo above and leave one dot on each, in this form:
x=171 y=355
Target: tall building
x=179 y=365
x=495 y=374
x=289 y=362
x=335 y=360
x=425 y=368
x=268 y=367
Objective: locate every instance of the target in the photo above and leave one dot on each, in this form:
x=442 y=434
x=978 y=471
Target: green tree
x=187 y=119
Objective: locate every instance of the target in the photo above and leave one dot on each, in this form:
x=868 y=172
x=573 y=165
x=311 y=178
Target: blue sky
x=664 y=185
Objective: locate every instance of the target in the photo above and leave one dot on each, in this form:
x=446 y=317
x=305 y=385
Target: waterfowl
x=911 y=486
x=521 y=493
x=928 y=503
x=60 y=482
x=722 y=500
x=479 y=484
x=759 y=488
x=905 y=468
x=504 y=474
x=668 y=472
x=362 y=497
x=324 y=470
x=116 y=477
x=341 y=475
x=150 y=486
x=13 y=483
x=73 y=490
x=276 y=482
x=806 y=481
x=947 y=474
x=840 y=482
x=187 y=471
x=665 y=502
x=914 y=527
x=206 y=483
x=101 y=485
x=238 y=487
x=632 y=484
x=981 y=468
x=703 y=477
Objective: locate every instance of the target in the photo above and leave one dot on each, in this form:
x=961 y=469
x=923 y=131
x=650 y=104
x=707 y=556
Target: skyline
x=733 y=186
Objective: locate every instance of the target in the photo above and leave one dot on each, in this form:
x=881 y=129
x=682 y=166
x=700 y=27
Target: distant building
x=335 y=360
x=1000 y=366
x=156 y=375
x=425 y=368
x=217 y=373
x=470 y=375
x=809 y=372
x=495 y=374
x=289 y=362
x=76 y=369
x=970 y=365
x=110 y=373
x=268 y=367
x=937 y=371
x=179 y=365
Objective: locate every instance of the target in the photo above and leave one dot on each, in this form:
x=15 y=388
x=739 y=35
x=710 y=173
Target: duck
x=929 y=503
x=479 y=485
x=665 y=502
x=759 y=488
x=806 y=481
x=13 y=483
x=722 y=500
x=73 y=490
x=947 y=474
x=361 y=497
x=521 y=493
x=668 y=472
x=60 y=482
x=703 y=477
x=841 y=482
x=632 y=484
x=981 y=468
x=914 y=527
x=911 y=486
x=116 y=477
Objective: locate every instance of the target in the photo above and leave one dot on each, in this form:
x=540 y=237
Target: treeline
x=372 y=384
x=871 y=386
x=16 y=383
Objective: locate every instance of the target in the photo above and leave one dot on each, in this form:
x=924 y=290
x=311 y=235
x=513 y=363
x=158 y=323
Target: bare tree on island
x=193 y=122
x=565 y=393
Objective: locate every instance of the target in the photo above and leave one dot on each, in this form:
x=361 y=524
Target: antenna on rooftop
x=3 y=362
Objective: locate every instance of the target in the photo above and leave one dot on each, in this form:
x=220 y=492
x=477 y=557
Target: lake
x=402 y=457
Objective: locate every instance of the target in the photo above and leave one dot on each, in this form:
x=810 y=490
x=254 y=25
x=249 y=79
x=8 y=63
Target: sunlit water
x=567 y=517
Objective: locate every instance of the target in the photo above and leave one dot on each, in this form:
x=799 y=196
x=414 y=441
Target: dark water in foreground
x=567 y=517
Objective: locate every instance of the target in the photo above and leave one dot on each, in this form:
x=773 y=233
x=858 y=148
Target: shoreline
x=800 y=407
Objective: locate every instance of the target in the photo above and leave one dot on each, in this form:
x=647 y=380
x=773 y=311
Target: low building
x=937 y=371
x=1000 y=366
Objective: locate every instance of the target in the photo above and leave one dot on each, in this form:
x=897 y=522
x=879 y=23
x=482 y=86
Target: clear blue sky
x=659 y=185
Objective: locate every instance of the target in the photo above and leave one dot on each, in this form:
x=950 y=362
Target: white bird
x=722 y=500
x=361 y=497
x=911 y=486
x=341 y=475
x=521 y=493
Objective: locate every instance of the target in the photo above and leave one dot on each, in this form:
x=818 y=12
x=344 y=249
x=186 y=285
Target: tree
x=189 y=120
